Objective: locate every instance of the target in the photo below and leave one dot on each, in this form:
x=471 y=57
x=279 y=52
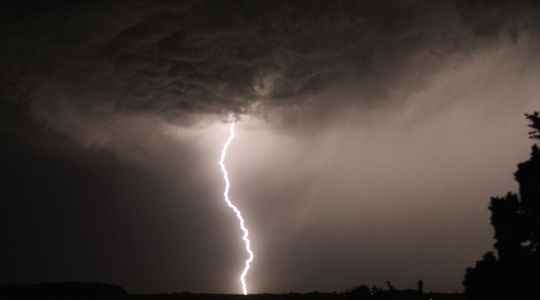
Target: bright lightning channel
x=247 y=243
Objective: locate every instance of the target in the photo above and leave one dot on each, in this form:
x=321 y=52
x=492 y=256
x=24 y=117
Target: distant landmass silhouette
x=62 y=290
x=93 y=290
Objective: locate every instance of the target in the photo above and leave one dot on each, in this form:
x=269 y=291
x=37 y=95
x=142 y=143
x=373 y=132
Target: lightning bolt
x=245 y=232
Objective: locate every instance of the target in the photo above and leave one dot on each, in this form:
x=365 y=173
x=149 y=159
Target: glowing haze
x=226 y=198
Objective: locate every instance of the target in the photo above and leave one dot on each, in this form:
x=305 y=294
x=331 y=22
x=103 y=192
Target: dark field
x=308 y=296
x=75 y=290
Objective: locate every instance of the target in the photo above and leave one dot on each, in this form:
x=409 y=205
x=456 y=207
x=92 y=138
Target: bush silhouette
x=516 y=222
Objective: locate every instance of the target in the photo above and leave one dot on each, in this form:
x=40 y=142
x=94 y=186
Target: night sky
x=370 y=137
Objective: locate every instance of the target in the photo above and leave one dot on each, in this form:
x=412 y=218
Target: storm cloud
x=180 y=59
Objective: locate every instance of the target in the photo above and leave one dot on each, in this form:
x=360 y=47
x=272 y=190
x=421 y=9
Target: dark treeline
x=61 y=290
x=401 y=295
x=77 y=290
x=511 y=271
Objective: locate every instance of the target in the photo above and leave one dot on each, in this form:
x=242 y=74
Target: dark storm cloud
x=229 y=57
x=179 y=59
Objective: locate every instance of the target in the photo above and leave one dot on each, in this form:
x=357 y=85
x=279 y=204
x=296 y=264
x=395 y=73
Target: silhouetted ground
x=308 y=296
x=62 y=290
x=77 y=290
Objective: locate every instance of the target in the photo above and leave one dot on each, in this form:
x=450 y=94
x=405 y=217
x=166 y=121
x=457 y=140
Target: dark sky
x=371 y=135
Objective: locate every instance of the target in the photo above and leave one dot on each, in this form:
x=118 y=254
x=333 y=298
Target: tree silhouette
x=516 y=222
x=535 y=125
